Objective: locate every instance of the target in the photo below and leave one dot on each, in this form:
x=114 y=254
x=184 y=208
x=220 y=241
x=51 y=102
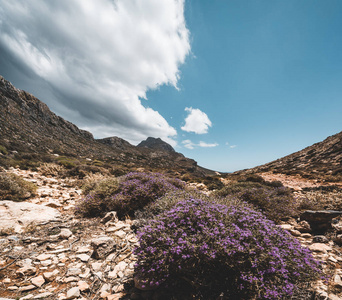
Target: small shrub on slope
x=132 y=192
x=205 y=249
x=275 y=202
x=13 y=187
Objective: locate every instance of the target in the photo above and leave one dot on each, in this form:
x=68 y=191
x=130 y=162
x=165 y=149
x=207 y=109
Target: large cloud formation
x=100 y=57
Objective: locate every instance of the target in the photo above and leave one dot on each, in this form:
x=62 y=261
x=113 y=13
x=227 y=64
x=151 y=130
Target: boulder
x=13 y=214
x=320 y=220
x=102 y=246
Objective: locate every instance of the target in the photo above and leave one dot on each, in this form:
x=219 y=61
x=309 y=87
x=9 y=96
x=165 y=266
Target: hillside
x=322 y=160
x=28 y=127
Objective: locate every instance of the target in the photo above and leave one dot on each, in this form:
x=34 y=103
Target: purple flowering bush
x=132 y=192
x=205 y=249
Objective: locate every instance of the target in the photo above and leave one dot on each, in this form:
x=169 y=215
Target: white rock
x=43 y=257
x=65 y=233
x=83 y=257
x=73 y=271
x=27 y=213
x=50 y=276
x=73 y=293
x=96 y=266
x=320 y=247
x=38 y=281
x=42 y=295
x=83 y=286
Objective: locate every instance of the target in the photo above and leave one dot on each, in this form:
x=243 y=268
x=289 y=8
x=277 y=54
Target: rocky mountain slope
x=322 y=160
x=157 y=144
x=28 y=126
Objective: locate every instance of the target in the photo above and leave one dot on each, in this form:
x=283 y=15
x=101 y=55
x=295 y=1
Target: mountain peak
x=156 y=144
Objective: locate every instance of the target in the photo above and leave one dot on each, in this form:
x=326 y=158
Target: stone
x=320 y=220
x=120 y=233
x=38 y=281
x=303 y=227
x=320 y=239
x=26 y=271
x=338 y=239
x=46 y=263
x=50 y=276
x=43 y=295
x=106 y=287
x=11 y=213
x=110 y=216
x=102 y=246
x=337 y=281
x=320 y=247
x=43 y=257
x=83 y=249
x=286 y=226
x=83 y=257
x=29 y=296
x=83 y=286
x=70 y=279
x=65 y=233
x=306 y=235
x=73 y=293
x=96 y=266
x=26 y=288
x=73 y=271
x=295 y=232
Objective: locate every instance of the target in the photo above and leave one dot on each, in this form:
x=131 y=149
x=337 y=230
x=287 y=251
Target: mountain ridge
x=320 y=160
x=28 y=125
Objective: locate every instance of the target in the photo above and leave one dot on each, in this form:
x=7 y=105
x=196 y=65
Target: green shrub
x=13 y=187
x=275 y=202
x=3 y=150
x=204 y=250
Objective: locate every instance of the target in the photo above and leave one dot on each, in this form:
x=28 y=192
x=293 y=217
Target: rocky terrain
x=322 y=161
x=48 y=253
x=28 y=127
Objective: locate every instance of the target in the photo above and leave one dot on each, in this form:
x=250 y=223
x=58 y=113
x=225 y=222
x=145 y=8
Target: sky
x=232 y=84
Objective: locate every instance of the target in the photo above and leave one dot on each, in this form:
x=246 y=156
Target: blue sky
x=268 y=75
x=231 y=84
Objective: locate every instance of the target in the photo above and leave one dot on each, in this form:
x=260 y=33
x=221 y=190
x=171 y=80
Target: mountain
x=28 y=126
x=116 y=142
x=156 y=144
x=321 y=160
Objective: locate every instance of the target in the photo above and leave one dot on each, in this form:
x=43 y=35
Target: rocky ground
x=59 y=256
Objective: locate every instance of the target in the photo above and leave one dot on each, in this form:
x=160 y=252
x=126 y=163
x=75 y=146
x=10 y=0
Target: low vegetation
x=126 y=194
x=13 y=187
x=275 y=200
x=207 y=250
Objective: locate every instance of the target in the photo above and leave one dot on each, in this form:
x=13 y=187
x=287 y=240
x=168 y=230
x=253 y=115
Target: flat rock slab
x=13 y=214
x=320 y=220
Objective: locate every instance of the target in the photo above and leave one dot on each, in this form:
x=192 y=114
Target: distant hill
x=28 y=126
x=321 y=160
x=156 y=144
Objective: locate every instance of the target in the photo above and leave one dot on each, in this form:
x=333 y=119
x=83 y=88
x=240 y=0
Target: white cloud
x=231 y=146
x=197 y=121
x=100 y=57
x=206 y=145
x=190 y=145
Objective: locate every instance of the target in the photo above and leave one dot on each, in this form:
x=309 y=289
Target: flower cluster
x=133 y=191
x=209 y=249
